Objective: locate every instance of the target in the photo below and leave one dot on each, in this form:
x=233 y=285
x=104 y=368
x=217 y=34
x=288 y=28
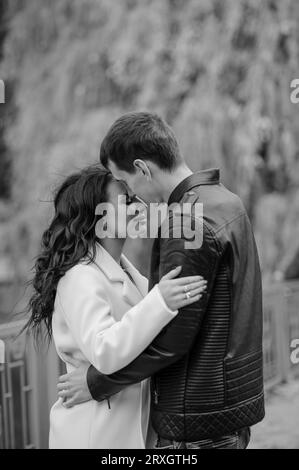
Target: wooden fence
x=29 y=376
x=28 y=381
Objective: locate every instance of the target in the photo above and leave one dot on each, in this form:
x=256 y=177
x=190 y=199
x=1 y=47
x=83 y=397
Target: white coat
x=101 y=317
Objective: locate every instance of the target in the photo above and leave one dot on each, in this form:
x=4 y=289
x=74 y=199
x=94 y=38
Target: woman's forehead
x=116 y=187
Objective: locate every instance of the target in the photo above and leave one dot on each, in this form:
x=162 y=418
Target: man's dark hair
x=140 y=135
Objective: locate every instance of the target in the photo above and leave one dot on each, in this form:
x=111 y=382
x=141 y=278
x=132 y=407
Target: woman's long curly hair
x=70 y=237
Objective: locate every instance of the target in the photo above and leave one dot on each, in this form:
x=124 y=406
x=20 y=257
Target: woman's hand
x=72 y=387
x=183 y=291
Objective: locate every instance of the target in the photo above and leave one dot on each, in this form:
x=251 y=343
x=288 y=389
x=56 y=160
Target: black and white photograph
x=149 y=227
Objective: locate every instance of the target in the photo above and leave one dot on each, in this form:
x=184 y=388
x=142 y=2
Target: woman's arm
x=108 y=345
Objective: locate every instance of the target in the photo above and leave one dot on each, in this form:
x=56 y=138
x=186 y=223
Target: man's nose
x=130 y=192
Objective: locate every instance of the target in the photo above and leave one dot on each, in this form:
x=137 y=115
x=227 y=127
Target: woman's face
x=120 y=210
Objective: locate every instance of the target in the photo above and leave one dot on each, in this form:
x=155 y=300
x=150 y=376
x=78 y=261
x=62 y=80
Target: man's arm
x=177 y=338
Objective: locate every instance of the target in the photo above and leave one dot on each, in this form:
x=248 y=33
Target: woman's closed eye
x=129 y=199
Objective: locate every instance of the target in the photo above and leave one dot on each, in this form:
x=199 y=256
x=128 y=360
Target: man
x=206 y=365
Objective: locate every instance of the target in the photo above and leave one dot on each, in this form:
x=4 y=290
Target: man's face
x=137 y=183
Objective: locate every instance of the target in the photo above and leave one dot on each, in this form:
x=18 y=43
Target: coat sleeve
x=109 y=344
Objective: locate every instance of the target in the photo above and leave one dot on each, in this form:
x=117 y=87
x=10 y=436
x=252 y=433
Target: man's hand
x=73 y=387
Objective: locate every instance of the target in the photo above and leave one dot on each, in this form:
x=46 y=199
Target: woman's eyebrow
x=119 y=180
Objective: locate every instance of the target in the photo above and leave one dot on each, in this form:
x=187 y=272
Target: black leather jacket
x=206 y=365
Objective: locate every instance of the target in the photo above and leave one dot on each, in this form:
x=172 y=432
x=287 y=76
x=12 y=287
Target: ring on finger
x=188 y=295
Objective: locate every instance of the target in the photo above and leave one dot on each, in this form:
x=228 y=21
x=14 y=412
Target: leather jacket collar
x=210 y=176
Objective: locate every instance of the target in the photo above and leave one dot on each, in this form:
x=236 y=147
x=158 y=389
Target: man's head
x=138 y=149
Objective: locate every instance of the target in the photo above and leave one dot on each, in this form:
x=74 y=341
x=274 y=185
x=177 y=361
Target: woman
x=96 y=305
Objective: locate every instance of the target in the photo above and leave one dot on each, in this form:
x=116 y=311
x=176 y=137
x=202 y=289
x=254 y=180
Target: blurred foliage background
x=219 y=71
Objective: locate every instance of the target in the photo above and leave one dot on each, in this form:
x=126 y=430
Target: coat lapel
x=105 y=262
x=141 y=282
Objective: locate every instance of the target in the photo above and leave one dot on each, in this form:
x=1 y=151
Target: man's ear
x=142 y=166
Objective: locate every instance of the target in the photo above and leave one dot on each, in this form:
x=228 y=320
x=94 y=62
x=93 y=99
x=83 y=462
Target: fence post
x=0 y=426
x=282 y=336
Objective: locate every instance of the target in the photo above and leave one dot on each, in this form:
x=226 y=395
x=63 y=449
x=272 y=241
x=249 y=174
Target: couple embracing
x=173 y=361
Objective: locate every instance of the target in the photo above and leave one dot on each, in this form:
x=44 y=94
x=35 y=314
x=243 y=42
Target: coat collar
x=140 y=281
x=113 y=271
x=211 y=176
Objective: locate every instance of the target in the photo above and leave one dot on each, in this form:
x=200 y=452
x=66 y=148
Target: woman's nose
x=131 y=193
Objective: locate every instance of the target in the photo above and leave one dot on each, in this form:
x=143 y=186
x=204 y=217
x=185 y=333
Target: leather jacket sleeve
x=176 y=339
